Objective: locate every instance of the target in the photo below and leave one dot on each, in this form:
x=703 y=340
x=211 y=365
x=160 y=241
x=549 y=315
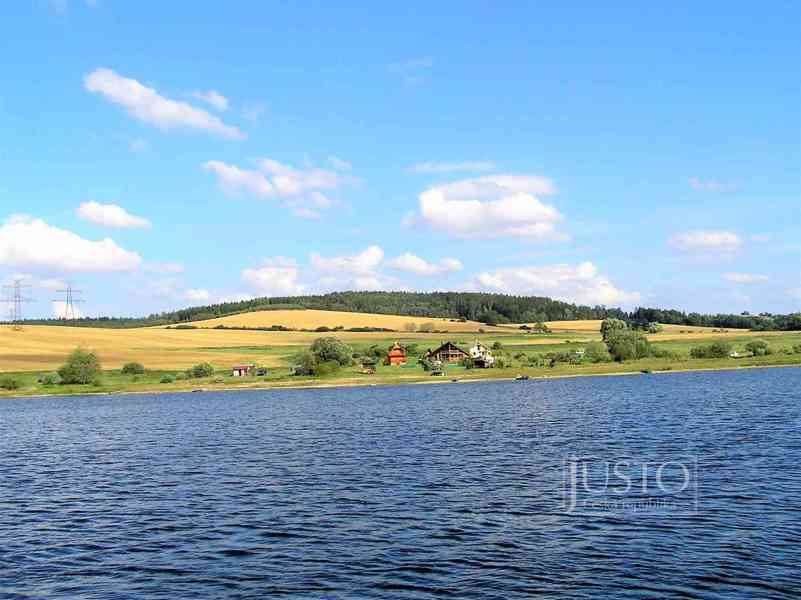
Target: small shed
x=396 y=355
x=241 y=370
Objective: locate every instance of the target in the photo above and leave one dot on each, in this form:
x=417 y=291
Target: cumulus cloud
x=745 y=278
x=213 y=98
x=491 y=207
x=580 y=283
x=277 y=276
x=411 y=263
x=706 y=241
x=26 y=241
x=110 y=215
x=303 y=190
x=454 y=167
x=363 y=263
x=339 y=164
x=197 y=295
x=147 y=105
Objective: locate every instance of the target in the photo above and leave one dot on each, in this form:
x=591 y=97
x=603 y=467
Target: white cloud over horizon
x=581 y=283
x=493 y=206
x=411 y=263
x=302 y=190
x=451 y=167
x=278 y=276
x=706 y=241
x=110 y=215
x=29 y=242
x=197 y=295
x=746 y=278
x=147 y=105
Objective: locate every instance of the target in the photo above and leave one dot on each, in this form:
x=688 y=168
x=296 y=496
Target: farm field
x=312 y=319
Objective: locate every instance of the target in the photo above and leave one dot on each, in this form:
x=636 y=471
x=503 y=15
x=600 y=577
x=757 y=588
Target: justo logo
x=594 y=485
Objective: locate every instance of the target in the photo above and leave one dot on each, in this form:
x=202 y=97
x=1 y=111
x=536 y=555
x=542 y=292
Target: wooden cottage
x=447 y=353
x=396 y=355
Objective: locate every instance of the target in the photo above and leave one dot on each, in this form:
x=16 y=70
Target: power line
x=15 y=298
x=69 y=300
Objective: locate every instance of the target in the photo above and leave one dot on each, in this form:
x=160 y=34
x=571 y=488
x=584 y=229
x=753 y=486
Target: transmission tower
x=15 y=297
x=69 y=300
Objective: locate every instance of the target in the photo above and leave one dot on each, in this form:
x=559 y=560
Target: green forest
x=492 y=309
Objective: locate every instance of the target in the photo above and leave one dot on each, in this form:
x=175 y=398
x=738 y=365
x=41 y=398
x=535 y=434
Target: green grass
x=113 y=381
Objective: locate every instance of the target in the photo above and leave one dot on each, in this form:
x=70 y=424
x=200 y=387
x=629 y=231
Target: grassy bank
x=113 y=381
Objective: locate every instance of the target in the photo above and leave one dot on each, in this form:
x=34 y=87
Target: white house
x=481 y=355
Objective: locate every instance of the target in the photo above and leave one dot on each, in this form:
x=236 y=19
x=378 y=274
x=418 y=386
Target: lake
x=483 y=490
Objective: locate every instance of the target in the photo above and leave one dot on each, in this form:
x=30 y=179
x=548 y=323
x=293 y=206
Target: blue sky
x=625 y=154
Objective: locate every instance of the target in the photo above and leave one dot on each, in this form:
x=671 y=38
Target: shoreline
x=351 y=384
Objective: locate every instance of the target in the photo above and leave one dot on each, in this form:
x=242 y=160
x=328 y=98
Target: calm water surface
x=451 y=490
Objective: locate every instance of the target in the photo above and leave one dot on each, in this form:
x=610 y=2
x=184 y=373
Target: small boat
x=521 y=378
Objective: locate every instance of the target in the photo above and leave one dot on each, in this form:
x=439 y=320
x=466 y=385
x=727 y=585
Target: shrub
x=657 y=352
x=467 y=362
x=185 y=327
x=596 y=352
x=50 y=379
x=10 y=383
x=720 y=349
x=410 y=327
x=305 y=363
x=797 y=349
x=82 y=367
x=497 y=346
x=427 y=327
x=167 y=379
x=329 y=367
x=181 y=376
x=332 y=349
x=133 y=368
x=758 y=348
x=626 y=344
x=200 y=370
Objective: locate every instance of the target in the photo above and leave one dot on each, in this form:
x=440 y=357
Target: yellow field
x=311 y=319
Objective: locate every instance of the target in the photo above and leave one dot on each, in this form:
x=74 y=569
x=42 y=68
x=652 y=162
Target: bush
x=758 y=348
x=305 y=363
x=167 y=379
x=329 y=367
x=797 y=349
x=596 y=352
x=426 y=327
x=181 y=376
x=82 y=367
x=497 y=346
x=467 y=362
x=10 y=383
x=332 y=349
x=410 y=327
x=133 y=368
x=200 y=370
x=50 y=379
x=626 y=344
x=719 y=349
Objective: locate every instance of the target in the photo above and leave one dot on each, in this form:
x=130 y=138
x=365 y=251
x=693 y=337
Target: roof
x=447 y=346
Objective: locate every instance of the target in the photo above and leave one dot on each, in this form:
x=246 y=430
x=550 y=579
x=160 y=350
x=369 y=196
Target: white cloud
x=365 y=263
x=197 y=295
x=212 y=97
x=110 y=215
x=147 y=105
x=59 y=308
x=240 y=297
x=574 y=283
x=745 y=278
x=459 y=167
x=490 y=207
x=712 y=185
x=277 y=276
x=706 y=241
x=339 y=164
x=412 y=263
x=29 y=242
x=300 y=189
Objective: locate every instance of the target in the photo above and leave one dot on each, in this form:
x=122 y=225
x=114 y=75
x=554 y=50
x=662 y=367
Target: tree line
x=492 y=309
